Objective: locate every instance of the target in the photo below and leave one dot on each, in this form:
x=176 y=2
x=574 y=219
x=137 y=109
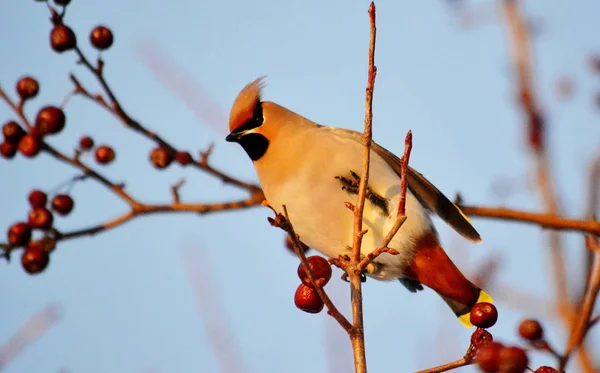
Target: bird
x=314 y=170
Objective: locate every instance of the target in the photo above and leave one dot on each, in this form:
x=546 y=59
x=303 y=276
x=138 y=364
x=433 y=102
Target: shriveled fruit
x=50 y=120
x=40 y=218
x=62 y=204
x=161 y=158
x=30 y=145
x=101 y=37
x=86 y=143
x=307 y=299
x=37 y=198
x=183 y=158
x=62 y=38
x=19 y=234
x=27 y=87
x=105 y=154
x=34 y=259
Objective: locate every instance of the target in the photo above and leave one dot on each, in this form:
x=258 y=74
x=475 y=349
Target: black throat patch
x=255 y=145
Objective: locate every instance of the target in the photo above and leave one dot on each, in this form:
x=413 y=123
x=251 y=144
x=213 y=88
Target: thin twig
x=550 y=221
x=354 y=273
x=283 y=222
x=446 y=367
x=401 y=217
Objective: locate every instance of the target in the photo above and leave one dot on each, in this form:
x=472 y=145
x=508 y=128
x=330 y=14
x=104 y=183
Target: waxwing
x=313 y=170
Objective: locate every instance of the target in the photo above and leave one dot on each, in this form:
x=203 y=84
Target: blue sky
x=127 y=301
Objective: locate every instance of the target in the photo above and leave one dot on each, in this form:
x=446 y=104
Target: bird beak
x=234 y=137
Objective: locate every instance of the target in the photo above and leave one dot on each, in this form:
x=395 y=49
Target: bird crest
x=245 y=104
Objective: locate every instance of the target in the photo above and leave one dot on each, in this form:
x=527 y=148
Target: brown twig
x=354 y=273
x=283 y=222
x=446 y=367
x=550 y=221
x=400 y=217
x=582 y=322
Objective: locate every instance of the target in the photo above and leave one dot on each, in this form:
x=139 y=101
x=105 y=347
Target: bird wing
x=430 y=196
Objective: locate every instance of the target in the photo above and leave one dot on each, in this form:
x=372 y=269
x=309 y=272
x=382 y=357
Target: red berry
x=290 y=245
x=101 y=37
x=488 y=357
x=105 y=154
x=37 y=198
x=19 y=234
x=531 y=330
x=86 y=143
x=183 y=158
x=8 y=150
x=30 y=145
x=50 y=119
x=545 y=369
x=161 y=158
x=40 y=218
x=307 y=299
x=513 y=360
x=34 y=259
x=62 y=204
x=481 y=337
x=62 y=38
x=320 y=268
x=484 y=315
x=27 y=87
x=12 y=132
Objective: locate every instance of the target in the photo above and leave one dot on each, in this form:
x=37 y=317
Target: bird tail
x=433 y=268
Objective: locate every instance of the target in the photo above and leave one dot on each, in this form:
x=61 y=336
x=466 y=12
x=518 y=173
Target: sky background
x=126 y=298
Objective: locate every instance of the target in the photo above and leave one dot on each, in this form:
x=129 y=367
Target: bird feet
x=351 y=185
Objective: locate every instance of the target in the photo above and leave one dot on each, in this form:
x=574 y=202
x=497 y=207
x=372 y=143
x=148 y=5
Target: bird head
x=248 y=125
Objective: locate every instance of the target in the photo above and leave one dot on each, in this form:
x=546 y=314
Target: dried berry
x=30 y=145
x=12 y=132
x=101 y=37
x=34 y=259
x=50 y=119
x=488 y=357
x=62 y=204
x=40 y=218
x=161 y=158
x=86 y=143
x=320 y=268
x=513 y=360
x=27 y=87
x=290 y=245
x=19 y=234
x=8 y=150
x=307 y=299
x=105 y=154
x=484 y=315
x=545 y=369
x=183 y=158
x=62 y=38
x=481 y=337
x=37 y=198
x=531 y=330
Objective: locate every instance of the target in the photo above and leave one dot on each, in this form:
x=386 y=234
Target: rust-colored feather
x=433 y=268
x=245 y=103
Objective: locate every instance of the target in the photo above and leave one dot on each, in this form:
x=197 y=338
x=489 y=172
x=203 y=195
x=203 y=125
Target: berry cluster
x=495 y=357
x=306 y=297
x=36 y=256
